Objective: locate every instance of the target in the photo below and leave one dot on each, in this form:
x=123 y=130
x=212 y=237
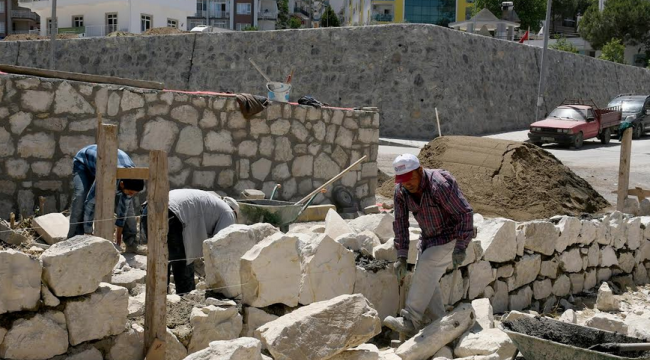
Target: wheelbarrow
x=545 y=339
x=275 y=212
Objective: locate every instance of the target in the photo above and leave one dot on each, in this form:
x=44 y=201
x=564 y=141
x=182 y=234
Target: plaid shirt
x=443 y=213
x=86 y=159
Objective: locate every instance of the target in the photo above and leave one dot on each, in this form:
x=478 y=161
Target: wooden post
x=12 y=221
x=155 y=326
x=438 y=121
x=41 y=205
x=105 y=182
x=624 y=169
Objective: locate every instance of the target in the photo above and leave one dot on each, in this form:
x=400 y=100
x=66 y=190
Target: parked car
x=575 y=121
x=635 y=109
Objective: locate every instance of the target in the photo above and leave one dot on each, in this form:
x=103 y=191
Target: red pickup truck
x=575 y=121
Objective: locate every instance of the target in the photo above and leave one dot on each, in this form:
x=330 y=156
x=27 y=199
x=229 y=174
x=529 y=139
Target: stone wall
x=479 y=85
x=210 y=144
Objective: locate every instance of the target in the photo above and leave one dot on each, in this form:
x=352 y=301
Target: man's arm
x=461 y=215
x=401 y=224
x=89 y=210
x=123 y=203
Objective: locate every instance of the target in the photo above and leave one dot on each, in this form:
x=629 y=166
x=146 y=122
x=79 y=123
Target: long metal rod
x=53 y=32
x=542 y=71
x=340 y=175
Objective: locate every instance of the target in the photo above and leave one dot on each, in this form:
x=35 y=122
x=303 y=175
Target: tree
x=329 y=18
x=250 y=28
x=283 y=14
x=563 y=44
x=627 y=20
x=614 y=51
x=295 y=23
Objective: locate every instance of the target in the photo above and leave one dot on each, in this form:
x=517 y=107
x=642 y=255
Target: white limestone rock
x=327 y=270
x=222 y=257
x=244 y=348
x=527 y=269
x=76 y=266
x=638 y=327
x=617 y=225
x=361 y=352
x=128 y=345
x=52 y=227
x=446 y=353
x=541 y=236
x=577 y=282
x=500 y=298
x=484 y=314
x=588 y=231
x=640 y=275
x=386 y=251
x=609 y=322
x=606 y=300
x=103 y=313
x=486 y=342
x=520 y=299
x=335 y=226
x=591 y=279
x=175 y=349
x=380 y=224
x=129 y=279
x=48 y=298
x=213 y=323
x=441 y=332
x=643 y=252
x=571 y=261
x=40 y=337
x=270 y=271
x=380 y=288
x=136 y=261
x=136 y=305
x=569 y=316
x=569 y=229
x=593 y=255
x=634 y=233
x=254 y=318
x=460 y=287
x=626 y=262
x=608 y=257
x=480 y=276
x=498 y=240
x=542 y=289
x=20 y=283
x=310 y=332
x=88 y=354
x=364 y=242
x=631 y=206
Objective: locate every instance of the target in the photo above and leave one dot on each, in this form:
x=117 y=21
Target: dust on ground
x=502 y=178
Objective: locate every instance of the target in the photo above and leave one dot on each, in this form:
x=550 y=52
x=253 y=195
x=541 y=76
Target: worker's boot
x=401 y=325
x=136 y=249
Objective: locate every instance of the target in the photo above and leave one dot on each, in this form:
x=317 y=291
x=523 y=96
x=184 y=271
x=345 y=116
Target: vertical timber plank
x=105 y=182
x=624 y=169
x=155 y=325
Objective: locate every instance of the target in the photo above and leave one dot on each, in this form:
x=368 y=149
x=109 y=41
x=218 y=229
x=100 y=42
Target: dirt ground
x=509 y=179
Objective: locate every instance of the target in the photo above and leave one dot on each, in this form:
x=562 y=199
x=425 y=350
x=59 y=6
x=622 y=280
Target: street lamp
x=53 y=31
x=544 y=65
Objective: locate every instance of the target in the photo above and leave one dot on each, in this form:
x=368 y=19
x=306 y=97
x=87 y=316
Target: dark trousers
x=183 y=273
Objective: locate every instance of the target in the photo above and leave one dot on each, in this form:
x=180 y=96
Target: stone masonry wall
x=479 y=84
x=44 y=122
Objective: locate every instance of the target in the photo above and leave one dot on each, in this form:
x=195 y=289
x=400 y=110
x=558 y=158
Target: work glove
x=457 y=257
x=400 y=268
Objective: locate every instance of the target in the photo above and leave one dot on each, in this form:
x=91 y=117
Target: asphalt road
x=594 y=162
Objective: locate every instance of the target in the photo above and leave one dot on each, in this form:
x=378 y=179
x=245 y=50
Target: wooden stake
x=41 y=205
x=12 y=220
x=155 y=326
x=624 y=169
x=105 y=182
x=438 y=121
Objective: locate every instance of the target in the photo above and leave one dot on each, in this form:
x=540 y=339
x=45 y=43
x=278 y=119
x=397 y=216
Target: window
x=77 y=21
x=439 y=12
x=49 y=26
x=244 y=9
x=2 y=6
x=221 y=24
x=3 y=28
x=172 y=23
x=145 y=22
x=111 y=22
x=241 y=26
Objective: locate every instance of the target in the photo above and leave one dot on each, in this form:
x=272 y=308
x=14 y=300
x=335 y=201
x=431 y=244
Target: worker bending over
x=446 y=220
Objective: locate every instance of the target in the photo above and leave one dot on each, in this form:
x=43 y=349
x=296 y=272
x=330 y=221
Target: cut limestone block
x=380 y=288
x=328 y=270
x=222 y=256
x=40 y=337
x=634 y=233
x=52 y=227
x=101 y=314
x=626 y=261
x=460 y=287
x=254 y=318
x=238 y=349
x=606 y=301
x=609 y=322
x=520 y=299
x=591 y=279
x=588 y=231
x=361 y=352
x=20 y=282
x=136 y=305
x=135 y=261
x=380 y=224
x=603 y=274
x=363 y=243
x=498 y=240
x=480 y=276
x=486 y=342
x=128 y=345
x=438 y=334
x=569 y=230
x=549 y=269
x=617 y=225
x=638 y=327
x=643 y=253
x=129 y=279
x=270 y=271
x=322 y=329
x=213 y=323
x=541 y=236
x=335 y=226
x=569 y=316
x=12 y=236
x=527 y=269
x=87 y=354
x=76 y=266
x=542 y=289
x=174 y=350
x=48 y=298
x=577 y=282
x=386 y=251
x=571 y=261
x=315 y=213
x=500 y=298
x=484 y=314
x=608 y=257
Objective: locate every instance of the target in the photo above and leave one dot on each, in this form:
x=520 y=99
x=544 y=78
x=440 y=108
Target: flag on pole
x=524 y=38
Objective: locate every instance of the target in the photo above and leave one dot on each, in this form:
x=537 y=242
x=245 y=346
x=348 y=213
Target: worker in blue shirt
x=82 y=211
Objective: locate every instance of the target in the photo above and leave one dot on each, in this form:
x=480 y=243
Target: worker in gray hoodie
x=194 y=216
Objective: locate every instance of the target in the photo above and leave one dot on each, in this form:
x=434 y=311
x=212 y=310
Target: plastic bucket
x=278 y=91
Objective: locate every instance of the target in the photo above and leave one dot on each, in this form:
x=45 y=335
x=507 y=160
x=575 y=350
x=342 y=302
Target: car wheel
x=577 y=141
x=642 y=132
x=636 y=132
x=606 y=136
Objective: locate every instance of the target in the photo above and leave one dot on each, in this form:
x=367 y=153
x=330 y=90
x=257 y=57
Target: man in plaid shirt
x=446 y=220
x=82 y=210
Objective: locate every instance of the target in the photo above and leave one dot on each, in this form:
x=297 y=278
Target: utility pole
x=542 y=71
x=53 y=30
x=207 y=12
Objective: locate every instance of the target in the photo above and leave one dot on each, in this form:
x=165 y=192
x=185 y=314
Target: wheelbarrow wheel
x=284 y=228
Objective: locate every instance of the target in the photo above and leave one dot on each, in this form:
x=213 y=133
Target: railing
x=25 y=14
x=270 y=15
x=212 y=14
x=31 y=1
x=382 y=17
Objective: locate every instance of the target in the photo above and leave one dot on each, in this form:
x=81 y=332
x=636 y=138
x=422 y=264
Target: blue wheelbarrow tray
x=541 y=338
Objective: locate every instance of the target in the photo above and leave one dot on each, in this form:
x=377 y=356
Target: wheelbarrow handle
x=275 y=190
x=311 y=199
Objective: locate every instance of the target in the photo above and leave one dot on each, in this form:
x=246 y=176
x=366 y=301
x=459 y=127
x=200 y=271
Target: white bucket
x=278 y=91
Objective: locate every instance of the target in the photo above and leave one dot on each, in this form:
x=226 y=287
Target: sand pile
x=504 y=178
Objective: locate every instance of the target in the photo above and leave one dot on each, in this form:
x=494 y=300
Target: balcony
x=266 y=14
x=383 y=17
x=212 y=14
x=25 y=15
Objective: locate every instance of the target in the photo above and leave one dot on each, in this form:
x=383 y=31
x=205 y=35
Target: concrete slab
x=52 y=227
x=315 y=213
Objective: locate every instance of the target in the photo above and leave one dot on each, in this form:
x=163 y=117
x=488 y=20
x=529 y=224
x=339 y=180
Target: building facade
x=4 y=18
x=439 y=12
x=15 y=19
x=101 y=17
x=235 y=14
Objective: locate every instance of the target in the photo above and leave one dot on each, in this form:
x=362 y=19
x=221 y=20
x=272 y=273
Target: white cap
x=405 y=163
x=232 y=203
